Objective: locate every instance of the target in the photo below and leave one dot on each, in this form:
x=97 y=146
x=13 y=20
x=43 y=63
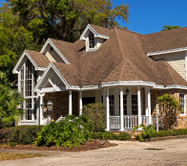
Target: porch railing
x=130 y=122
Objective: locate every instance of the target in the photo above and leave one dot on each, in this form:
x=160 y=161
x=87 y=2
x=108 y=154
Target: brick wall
x=181 y=120
x=61 y=103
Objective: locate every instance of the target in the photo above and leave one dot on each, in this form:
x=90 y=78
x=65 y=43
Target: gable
x=52 y=52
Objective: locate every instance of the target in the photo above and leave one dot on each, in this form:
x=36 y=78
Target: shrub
x=20 y=134
x=96 y=113
x=124 y=136
x=147 y=132
x=68 y=133
x=104 y=135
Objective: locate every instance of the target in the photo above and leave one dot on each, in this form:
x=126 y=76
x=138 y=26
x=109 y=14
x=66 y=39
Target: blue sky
x=148 y=16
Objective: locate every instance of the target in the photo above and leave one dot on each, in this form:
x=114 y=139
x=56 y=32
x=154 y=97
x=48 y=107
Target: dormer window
x=91 y=40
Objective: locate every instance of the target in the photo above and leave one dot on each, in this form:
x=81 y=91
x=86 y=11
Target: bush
x=104 y=135
x=111 y=136
x=124 y=136
x=147 y=132
x=68 y=133
x=96 y=113
x=20 y=134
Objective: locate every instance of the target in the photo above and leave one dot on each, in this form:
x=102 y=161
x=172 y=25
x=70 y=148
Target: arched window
x=91 y=40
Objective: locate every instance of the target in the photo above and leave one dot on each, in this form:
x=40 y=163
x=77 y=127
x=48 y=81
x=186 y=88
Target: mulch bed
x=90 y=145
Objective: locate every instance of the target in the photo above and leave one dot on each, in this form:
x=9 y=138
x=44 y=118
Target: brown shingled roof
x=39 y=59
x=121 y=58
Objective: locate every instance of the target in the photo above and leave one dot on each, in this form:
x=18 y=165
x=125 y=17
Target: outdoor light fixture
x=50 y=106
x=127 y=91
x=42 y=106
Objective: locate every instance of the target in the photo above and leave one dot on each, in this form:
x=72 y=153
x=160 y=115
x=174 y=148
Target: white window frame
x=184 y=114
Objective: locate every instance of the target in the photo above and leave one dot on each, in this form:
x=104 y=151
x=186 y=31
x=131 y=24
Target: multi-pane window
x=28 y=77
x=134 y=104
x=124 y=104
x=182 y=102
x=91 y=40
x=111 y=103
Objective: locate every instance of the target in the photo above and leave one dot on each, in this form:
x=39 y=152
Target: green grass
x=16 y=156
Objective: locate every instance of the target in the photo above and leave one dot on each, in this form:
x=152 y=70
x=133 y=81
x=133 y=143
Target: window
x=134 y=104
x=91 y=40
x=28 y=77
x=182 y=102
x=111 y=103
x=124 y=104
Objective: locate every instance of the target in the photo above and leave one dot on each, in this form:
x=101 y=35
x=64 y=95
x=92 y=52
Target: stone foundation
x=61 y=103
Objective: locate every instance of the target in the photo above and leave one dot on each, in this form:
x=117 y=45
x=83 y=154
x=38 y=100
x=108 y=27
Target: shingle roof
x=121 y=58
x=39 y=59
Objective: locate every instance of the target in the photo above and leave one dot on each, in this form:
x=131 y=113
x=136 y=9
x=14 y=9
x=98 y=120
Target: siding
x=176 y=60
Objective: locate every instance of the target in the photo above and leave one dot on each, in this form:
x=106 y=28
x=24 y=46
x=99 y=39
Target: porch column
x=146 y=103
x=139 y=107
x=121 y=110
x=41 y=110
x=149 y=104
x=104 y=98
x=70 y=102
x=80 y=103
x=107 y=110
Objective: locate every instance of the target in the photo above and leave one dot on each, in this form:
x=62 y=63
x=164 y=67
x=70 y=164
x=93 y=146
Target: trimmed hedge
x=111 y=136
x=143 y=137
x=20 y=134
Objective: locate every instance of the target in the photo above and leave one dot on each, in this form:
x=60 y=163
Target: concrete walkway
x=127 y=153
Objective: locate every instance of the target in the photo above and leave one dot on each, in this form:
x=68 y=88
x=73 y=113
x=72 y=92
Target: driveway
x=129 y=153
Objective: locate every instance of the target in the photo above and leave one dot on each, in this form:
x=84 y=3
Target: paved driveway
x=127 y=153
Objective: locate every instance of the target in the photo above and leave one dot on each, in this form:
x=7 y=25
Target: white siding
x=176 y=60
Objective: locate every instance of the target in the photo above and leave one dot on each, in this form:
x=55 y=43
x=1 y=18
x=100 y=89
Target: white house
x=124 y=70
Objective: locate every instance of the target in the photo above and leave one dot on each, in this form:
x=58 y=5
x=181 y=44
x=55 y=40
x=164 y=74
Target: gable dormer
x=93 y=39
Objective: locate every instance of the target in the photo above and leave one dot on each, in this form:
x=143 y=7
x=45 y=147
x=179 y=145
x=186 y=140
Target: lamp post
x=127 y=91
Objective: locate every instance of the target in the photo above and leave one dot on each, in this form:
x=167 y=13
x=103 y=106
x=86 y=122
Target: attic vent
x=51 y=49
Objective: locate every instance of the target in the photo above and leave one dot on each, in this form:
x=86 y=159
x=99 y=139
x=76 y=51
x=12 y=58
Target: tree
x=13 y=40
x=65 y=19
x=169 y=27
x=170 y=109
x=9 y=101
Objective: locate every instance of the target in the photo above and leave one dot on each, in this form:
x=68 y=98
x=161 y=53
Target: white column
x=41 y=110
x=70 y=102
x=139 y=107
x=107 y=110
x=121 y=109
x=104 y=99
x=80 y=103
x=146 y=103
x=149 y=104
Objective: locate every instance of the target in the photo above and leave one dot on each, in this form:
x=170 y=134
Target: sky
x=149 y=16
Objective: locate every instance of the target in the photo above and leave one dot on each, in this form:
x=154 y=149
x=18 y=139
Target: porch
x=126 y=107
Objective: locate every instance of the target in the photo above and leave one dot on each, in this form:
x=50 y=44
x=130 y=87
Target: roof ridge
x=165 y=31
x=126 y=30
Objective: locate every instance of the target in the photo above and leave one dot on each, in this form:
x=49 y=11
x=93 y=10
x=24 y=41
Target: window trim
x=184 y=104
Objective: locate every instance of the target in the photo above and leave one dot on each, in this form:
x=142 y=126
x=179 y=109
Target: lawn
x=16 y=156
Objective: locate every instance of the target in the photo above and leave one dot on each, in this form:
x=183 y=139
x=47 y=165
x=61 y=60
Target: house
x=124 y=70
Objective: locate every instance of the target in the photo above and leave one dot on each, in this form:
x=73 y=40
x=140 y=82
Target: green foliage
x=147 y=132
x=9 y=101
x=14 y=39
x=20 y=134
x=96 y=113
x=111 y=136
x=124 y=136
x=68 y=133
x=66 y=19
x=169 y=109
x=169 y=27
